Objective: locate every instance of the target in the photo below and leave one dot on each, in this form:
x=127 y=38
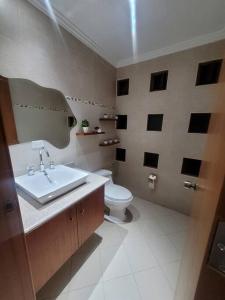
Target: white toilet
x=117 y=198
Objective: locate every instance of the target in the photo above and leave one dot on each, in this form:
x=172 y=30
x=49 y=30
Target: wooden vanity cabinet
x=90 y=214
x=54 y=242
x=50 y=245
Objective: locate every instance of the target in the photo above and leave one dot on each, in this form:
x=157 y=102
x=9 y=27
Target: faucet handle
x=30 y=170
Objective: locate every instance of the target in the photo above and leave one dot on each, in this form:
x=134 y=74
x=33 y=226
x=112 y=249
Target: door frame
x=15 y=275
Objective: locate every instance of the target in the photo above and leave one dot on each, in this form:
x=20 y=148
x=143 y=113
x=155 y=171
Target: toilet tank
x=105 y=173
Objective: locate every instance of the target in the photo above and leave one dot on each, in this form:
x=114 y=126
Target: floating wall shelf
x=89 y=133
x=106 y=145
x=107 y=119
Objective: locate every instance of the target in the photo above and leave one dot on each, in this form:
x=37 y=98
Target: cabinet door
x=50 y=245
x=90 y=214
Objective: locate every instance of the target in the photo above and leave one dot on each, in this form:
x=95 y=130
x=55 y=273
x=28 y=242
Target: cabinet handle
x=8 y=207
x=82 y=212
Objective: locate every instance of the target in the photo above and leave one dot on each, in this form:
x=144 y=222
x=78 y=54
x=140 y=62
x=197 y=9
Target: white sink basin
x=44 y=188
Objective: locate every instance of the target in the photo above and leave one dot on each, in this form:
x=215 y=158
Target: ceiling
x=129 y=31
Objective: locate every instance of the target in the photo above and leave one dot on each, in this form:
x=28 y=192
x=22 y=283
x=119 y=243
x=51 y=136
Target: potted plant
x=85 y=126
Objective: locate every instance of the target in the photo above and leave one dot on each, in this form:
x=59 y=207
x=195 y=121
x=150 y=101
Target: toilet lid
x=117 y=192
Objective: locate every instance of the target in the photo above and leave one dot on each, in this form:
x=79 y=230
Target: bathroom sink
x=47 y=185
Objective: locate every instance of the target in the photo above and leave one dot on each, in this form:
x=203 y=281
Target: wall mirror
x=39 y=113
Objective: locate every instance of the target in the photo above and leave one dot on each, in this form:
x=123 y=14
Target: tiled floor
x=136 y=261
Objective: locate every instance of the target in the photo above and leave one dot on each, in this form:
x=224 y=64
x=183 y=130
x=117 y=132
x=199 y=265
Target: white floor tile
x=173 y=223
x=179 y=240
x=153 y=285
x=85 y=272
x=130 y=231
x=139 y=255
x=163 y=249
x=145 y=211
x=123 y=288
x=95 y=292
x=171 y=271
x=150 y=228
x=114 y=262
x=111 y=234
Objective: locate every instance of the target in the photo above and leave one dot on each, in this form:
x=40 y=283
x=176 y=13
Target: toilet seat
x=117 y=193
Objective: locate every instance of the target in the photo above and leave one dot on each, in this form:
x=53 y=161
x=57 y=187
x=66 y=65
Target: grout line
x=138 y=289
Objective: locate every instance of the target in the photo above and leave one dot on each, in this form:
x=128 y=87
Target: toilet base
x=117 y=216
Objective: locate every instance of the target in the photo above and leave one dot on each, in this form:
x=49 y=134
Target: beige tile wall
x=176 y=103
x=31 y=47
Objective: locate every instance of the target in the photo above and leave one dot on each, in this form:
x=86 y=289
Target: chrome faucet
x=42 y=165
x=39 y=145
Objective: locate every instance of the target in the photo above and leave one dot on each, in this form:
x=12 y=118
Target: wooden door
x=51 y=245
x=211 y=284
x=90 y=214
x=205 y=204
x=15 y=276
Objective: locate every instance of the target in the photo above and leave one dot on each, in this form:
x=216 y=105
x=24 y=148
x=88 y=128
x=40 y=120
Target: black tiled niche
x=158 y=81
x=151 y=160
x=154 y=122
x=208 y=72
x=121 y=122
x=71 y=121
x=120 y=154
x=123 y=87
x=199 y=122
x=191 y=167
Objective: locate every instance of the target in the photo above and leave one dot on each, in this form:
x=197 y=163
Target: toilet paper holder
x=152 y=178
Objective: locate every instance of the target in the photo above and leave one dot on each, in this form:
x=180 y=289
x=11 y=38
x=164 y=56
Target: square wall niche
x=199 y=123
x=191 y=167
x=154 y=122
x=120 y=154
x=209 y=72
x=151 y=160
x=121 y=122
x=123 y=87
x=158 y=81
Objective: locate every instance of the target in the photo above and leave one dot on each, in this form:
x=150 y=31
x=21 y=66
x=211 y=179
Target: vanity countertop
x=34 y=214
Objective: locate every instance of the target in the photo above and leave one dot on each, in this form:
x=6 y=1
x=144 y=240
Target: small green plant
x=84 y=123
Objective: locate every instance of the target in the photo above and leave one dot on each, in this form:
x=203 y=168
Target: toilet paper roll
x=152 y=181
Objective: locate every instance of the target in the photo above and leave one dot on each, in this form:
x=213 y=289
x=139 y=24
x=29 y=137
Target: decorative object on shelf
x=85 y=126
x=109 y=117
x=109 y=142
x=98 y=129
